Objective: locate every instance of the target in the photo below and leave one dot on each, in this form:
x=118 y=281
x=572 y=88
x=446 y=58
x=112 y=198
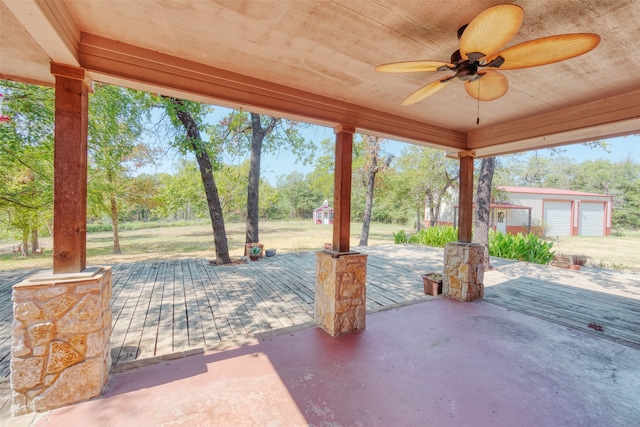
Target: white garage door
x=557 y=218
x=591 y=219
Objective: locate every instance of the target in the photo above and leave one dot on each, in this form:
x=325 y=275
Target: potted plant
x=432 y=283
x=255 y=252
x=580 y=260
x=249 y=246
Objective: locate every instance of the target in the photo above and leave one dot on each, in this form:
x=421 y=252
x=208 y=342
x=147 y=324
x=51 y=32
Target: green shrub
x=435 y=236
x=400 y=237
x=432 y=236
x=521 y=247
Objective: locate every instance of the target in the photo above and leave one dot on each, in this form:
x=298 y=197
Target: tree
x=425 y=179
x=373 y=164
x=620 y=179
x=536 y=171
x=483 y=206
x=321 y=179
x=261 y=132
x=190 y=116
x=116 y=122
x=299 y=195
x=258 y=133
x=26 y=161
x=180 y=194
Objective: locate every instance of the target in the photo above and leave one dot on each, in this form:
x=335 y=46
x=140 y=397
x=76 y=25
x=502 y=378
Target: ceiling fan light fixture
x=488 y=86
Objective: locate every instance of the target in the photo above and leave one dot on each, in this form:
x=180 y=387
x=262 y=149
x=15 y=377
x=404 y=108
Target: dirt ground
x=614 y=252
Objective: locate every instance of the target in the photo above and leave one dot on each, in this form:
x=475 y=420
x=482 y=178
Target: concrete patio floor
x=436 y=363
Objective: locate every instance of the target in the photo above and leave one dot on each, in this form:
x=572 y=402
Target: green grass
x=195 y=240
x=614 y=252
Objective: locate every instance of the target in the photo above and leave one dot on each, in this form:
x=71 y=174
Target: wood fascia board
x=614 y=116
x=132 y=63
x=50 y=24
x=16 y=78
x=609 y=130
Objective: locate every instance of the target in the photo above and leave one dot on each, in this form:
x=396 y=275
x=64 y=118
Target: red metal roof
x=550 y=191
x=508 y=206
x=503 y=205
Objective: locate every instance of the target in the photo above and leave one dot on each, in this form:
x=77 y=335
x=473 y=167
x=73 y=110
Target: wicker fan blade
x=413 y=66
x=490 y=31
x=489 y=86
x=546 y=50
x=427 y=90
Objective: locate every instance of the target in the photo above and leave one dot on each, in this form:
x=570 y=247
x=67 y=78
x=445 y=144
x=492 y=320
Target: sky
x=619 y=149
x=283 y=163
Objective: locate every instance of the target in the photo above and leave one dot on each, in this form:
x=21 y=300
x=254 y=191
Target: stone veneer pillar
x=340 y=298
x=60 y=353
x=463 y=271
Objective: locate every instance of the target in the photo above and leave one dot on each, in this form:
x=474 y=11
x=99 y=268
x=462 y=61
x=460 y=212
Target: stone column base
x=463 y=271
x=60 y=353
x=341 y=304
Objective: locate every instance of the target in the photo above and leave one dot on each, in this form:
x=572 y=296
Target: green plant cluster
x=400 y=237
x=432 y=236
x=521 y=247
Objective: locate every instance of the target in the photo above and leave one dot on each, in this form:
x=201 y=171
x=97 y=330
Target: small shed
x=324 y=214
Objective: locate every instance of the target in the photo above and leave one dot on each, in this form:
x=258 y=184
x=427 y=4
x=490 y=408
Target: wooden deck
x=576 y=299
x=164 y=307
x=175 y=307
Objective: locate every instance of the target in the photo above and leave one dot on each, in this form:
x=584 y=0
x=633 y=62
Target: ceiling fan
x=480 y=55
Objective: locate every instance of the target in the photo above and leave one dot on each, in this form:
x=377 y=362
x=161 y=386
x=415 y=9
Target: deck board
x=211 y=329
x=147 y=345
x=573 y=307
x=164 y=339
x=222 y=331
x=131 y=319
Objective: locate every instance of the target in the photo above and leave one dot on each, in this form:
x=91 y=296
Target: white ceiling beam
x=50 y=24
x=605 y=118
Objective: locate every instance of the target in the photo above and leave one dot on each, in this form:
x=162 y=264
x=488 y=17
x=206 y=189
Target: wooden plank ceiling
x=314 y=61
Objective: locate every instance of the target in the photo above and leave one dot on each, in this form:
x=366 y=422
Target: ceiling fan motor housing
x=467 y=71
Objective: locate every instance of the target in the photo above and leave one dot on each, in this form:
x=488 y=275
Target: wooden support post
x=70 y=165
x=465 y=221
x=342 y=188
